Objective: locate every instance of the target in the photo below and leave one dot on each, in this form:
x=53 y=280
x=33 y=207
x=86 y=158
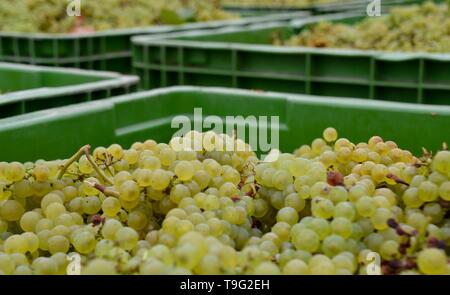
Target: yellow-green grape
x=333 y=245
x=49 y=199
x=345 y=261
x=29 y=220
x=91 y=205
x=202 y=178
x=110 y=228
x=160 y=180
x=211 y=202
x=100 y=266
x=432 y=261
x=23 y=189
x=111 y=206
x=129 y=191
x=7 y=264
x=293 y=200
x=150 y=162
x=306 y=239
x=428 y=191
x=137 y=219
x=184 y=170
x=342 y=226
x=228 y=189
x=15 y=171
x=179 y=192
x=121 y=177
x=44 y=266
x=44 y=224
x=389 y=250
x=115 y=151
x=126 y=237
x=84 y=165
x=267 y=268
x=365 y=206
x=11 y=210
x=57 y=244
x=444 y=191
x=411 y=198
x=288 y=215
x=380 y=217
x=41 y=172
x=84 y=242
x=330 y=134
x=22 y=270
x=16 y=244
x=441 y=162
x=346 y=210
x=322 y=208
x=131 y=156
x=417 y=220
x=100 y=154
x=143 y=177
x=321 y=265
x=296 y=267
x=54 y=210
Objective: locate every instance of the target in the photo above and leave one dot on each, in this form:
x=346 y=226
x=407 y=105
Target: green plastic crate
x=316 y=9
x=26 y=88
x=136 y=117
x=245 y=58
x=106 y=50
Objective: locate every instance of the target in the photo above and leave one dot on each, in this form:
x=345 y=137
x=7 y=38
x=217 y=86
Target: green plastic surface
x=26 y=88
x=106 y=50
x=321 y=8
x=59 y=133
x=245 y=58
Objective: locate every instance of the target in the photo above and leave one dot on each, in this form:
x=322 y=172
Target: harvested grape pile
x=278 y=3
x=419 y=28
x=157 y=209
x=50 y=16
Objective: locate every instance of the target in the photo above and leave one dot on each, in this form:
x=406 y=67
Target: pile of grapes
x=277 y=3
x=329 y=208
x=415 y=28
x=50 y=16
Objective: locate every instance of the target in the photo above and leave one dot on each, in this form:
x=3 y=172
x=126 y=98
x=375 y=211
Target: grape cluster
x=50 y=16
x=205 y=204
x=414 y=28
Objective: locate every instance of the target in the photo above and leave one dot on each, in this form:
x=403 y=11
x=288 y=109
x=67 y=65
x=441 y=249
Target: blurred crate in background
x=105 y=50
x=245 y=58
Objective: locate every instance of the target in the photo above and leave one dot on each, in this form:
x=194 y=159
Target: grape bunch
x=50 y=16
x=206 y=204
x=414 y=28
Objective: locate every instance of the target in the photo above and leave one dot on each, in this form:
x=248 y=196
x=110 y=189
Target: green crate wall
x=27 y=88
x=244 y=58
x=107 y=50
x=136 y=117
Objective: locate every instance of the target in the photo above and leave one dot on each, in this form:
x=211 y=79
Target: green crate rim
x=114 y=80
x=91 y=106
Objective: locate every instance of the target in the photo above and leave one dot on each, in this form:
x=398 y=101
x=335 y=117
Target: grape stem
x=106 y=190
x=95 y=166
x=84 y=150
x=72 y=159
